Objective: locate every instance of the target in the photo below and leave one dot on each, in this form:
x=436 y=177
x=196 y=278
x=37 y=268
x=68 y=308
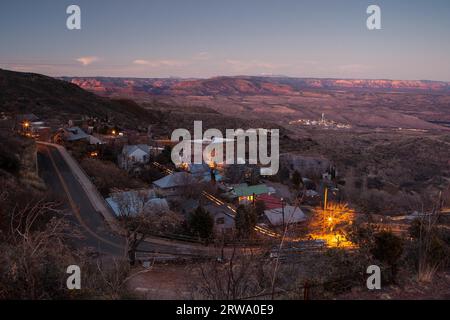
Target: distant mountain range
x=361 y=103
x=238 y=101
x=245 y=85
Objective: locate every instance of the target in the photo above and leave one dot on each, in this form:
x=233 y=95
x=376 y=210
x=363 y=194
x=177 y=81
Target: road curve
x=97 y=234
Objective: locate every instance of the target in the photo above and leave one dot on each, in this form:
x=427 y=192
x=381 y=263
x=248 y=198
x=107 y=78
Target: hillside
x=48 y=97
x=423 y=105
x=51 y=98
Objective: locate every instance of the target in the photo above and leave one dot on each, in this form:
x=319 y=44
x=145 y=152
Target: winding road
x=84 y=213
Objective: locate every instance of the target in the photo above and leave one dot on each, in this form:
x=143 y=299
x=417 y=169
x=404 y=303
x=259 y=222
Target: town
x=197 y=210
x=214 y=151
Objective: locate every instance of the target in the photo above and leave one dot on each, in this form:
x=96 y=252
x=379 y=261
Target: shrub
x=388 y=248
x=201 y=224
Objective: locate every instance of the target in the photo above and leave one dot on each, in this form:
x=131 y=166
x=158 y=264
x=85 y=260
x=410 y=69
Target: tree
x=242 y=172
x=429 y=249
x=139 y=219
x=201 y=223
x=36 y=254
x=388 y=248
x=106 y=176
x=332 y=223
x=243 y=274
x=297 y=179
x=260 y=207
x=150 y=174
x=245 y=221
x=165 y=157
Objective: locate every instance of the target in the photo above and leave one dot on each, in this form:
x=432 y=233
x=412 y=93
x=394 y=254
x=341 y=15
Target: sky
x=207 y=38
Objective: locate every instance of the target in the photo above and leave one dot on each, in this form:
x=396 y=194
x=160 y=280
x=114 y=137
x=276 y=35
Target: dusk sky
x=205 y=38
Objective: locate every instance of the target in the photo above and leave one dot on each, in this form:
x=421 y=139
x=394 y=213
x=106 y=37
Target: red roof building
x=270 y=201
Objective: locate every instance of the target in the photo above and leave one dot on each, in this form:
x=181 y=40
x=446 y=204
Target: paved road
x=62 y=183
x=96 y=233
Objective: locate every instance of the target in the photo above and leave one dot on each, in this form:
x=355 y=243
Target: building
x=203 y=172
x=245 y=194
x=74 y=134
x=30 y=117
x=175 y=181
x=223 y=222
x=291 y=215
x=133 y=203
x=270 y=201
x=137 y=154
x=134 y=154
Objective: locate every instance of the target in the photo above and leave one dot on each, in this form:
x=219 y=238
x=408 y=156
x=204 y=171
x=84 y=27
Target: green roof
x=245 y=191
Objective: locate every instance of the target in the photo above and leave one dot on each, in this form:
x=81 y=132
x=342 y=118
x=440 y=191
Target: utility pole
x=282 y=211
x=325 y=206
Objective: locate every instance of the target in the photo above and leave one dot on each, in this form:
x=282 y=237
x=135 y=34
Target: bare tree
x=140 y=219
x=36 y=253
x=242 y=275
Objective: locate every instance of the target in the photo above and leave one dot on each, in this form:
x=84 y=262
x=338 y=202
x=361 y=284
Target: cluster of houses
x=277 y=212
x=51 y=130
x=31 y=126
x=175 y=184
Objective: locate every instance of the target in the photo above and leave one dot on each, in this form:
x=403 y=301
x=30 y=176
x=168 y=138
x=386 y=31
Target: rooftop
x=177 y=179
x=245 y=190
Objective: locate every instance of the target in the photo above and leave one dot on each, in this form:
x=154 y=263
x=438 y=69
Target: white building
x=137 y=154
x=291 y=215
x=134 y=154
x=133 y=203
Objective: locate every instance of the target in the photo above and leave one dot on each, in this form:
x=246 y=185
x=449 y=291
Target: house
x=270 y=201
x=74 y=134
x=223 y=221
x=291 y=215
x=134 y=154
x=30 y=117
x=311 y=193
x=174 y=181
x=137 y=154
x=94 y=140
x=246 y=194
x=203 y=172
x=132 y=203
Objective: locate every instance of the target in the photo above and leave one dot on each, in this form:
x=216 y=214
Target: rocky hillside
x=48 y=97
